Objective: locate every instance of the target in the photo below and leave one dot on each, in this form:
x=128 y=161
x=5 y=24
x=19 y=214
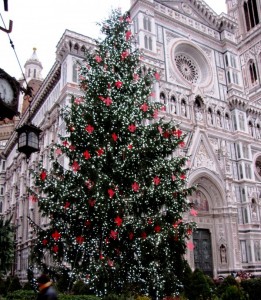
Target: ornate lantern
x=28 y=139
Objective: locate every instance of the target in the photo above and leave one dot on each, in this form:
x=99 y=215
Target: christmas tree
x=116 y=213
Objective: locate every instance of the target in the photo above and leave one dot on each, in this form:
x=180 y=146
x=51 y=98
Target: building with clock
x=14 y=101
x=210 y=68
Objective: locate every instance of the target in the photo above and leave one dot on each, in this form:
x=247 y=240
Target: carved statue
x=223 y=254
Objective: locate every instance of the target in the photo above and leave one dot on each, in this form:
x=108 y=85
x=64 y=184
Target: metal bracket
x=10 y=27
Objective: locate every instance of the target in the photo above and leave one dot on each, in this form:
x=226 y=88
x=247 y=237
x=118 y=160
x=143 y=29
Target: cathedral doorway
x=203 y=251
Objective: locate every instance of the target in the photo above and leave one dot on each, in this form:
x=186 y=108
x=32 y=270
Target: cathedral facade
x=210 y=68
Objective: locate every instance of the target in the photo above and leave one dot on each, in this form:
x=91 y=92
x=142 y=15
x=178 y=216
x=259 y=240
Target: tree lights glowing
x=116 y=213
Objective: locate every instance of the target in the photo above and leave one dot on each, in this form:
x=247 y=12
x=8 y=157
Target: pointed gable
x=204 y=154
x=201 y=12
x=204 y=159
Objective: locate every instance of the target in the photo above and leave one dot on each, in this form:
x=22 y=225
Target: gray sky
x=41 y=24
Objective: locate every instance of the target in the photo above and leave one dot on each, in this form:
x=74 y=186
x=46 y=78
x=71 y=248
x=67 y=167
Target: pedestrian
x=46 y=290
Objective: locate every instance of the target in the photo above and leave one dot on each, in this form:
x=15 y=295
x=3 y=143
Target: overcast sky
x=41 y=24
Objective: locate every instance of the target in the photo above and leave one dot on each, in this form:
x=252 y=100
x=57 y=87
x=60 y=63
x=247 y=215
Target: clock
x=6 y=92
x=9 y=95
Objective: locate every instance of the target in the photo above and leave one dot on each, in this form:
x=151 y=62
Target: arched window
x=147 y=23
x=198 y=109
x=251 y=14
x=246 y=16
x=250 y=126
x=173 y=105
x=198 y=102
x=163 y=98
x=29 y=72
x=70 y=45
x=252 y=71
x=147 y=42
x=210 y=116
x=218 y=120
x=76 y=48
x=183 y=108
x=227 y=121
x=75 y=73
x=83 y=49
x=34 y=73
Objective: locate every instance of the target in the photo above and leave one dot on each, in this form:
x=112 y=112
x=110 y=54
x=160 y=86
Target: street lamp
x=28 y=139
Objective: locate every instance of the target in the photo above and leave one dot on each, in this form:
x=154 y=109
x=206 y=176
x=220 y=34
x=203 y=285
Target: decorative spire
x=34 y=55
x=33 y=67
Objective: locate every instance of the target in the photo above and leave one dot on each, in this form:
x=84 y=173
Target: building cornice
x=73 y=43
x=218 y=22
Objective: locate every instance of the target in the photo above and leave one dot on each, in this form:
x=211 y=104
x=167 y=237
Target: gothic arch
x=227 y=113
x=258 y=130
x=76 y=47
x=219 y=118
x=173 y=103
x=227 y=120
x=83 y=49
x=199 y=101
x=184 y=107
x=198 y=108
x=163 y=96
x=211 y=185
x=183 y=97
x=250 y=127
x=210 y=115
x=147 y=23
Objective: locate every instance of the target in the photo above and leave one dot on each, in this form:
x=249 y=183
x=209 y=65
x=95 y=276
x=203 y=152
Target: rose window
x=190 y=64
x=187 y=68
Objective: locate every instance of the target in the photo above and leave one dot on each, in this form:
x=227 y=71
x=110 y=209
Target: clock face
x=6 y=91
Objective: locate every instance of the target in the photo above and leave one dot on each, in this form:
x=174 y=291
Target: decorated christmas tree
x=116 y=212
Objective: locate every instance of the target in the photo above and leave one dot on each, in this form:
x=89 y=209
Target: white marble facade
x=210 y=68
